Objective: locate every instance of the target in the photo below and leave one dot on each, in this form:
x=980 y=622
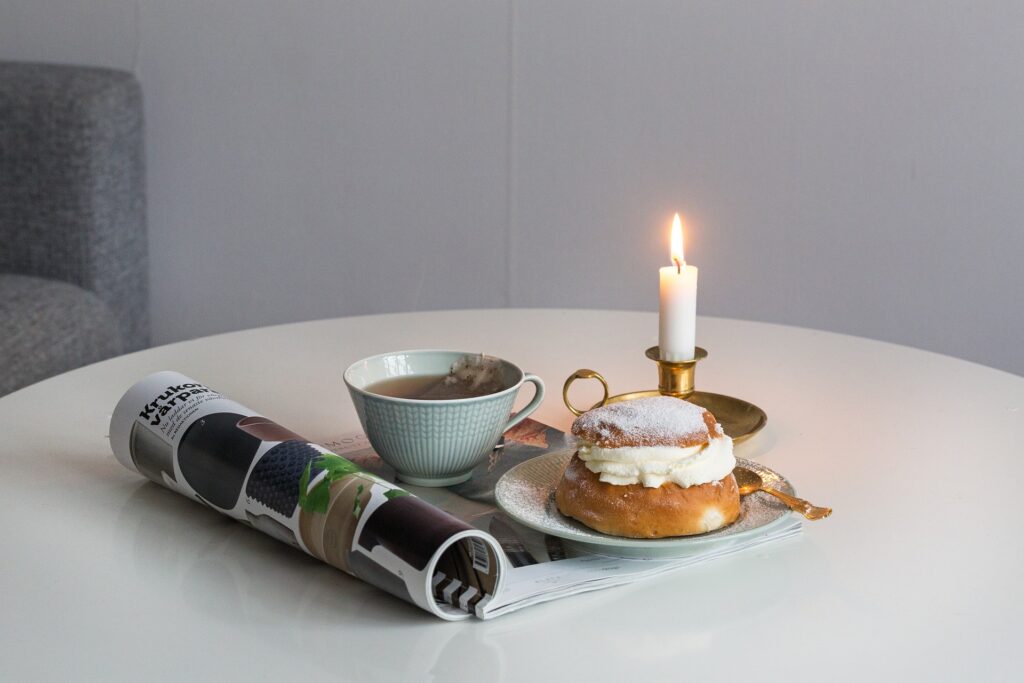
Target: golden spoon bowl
x=750 y=481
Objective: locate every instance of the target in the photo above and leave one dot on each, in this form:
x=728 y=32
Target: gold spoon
x=750 y=481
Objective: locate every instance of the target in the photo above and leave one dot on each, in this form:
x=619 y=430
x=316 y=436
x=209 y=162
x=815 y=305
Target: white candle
x=677 y=326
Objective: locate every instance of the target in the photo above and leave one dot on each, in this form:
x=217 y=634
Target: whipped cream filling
x=652 y=466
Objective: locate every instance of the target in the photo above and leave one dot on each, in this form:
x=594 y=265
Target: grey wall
x=856 y=167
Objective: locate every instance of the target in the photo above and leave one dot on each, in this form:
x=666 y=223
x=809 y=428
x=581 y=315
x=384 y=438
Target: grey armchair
x=73 y=268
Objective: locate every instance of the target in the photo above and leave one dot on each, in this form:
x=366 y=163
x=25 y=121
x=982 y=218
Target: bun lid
x=656 y=421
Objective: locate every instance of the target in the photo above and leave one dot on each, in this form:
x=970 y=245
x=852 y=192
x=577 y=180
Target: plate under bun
x=526 y=493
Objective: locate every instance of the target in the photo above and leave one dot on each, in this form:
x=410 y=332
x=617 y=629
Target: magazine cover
x=191 y=439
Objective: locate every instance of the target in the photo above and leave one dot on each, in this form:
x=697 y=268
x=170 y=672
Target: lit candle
x=677 y=326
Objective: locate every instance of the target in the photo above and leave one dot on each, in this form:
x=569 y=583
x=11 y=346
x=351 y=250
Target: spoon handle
x=800 y=505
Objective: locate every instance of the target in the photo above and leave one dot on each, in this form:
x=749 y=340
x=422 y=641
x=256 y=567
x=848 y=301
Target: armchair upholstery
x=73 y=263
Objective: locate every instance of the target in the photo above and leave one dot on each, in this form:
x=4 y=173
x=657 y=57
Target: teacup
x=433 y=442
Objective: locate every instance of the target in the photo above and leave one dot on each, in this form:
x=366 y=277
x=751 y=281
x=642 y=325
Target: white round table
x=915 y=576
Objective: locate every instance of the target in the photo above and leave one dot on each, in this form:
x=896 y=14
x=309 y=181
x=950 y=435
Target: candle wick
x=679 y=266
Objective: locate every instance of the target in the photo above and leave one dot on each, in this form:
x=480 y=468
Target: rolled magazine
x=186 y=436
x=449 y=551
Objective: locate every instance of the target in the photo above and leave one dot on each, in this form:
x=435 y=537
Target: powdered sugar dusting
x=656 y=421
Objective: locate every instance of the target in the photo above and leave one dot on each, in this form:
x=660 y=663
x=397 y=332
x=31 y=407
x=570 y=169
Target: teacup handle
x=583 y=374
x=538 y=396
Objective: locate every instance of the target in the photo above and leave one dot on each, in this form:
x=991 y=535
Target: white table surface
x=915 y=576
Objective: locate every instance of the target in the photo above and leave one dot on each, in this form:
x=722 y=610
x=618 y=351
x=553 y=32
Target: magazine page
x=449 y=551
x=187 y=437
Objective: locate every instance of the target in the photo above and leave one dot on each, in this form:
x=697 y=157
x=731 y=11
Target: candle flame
x=678 y=258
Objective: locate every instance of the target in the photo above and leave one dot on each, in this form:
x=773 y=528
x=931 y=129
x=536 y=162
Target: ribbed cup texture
x=433 y=439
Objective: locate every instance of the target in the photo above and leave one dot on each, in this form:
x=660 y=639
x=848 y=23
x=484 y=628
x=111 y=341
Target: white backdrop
x=856 y=167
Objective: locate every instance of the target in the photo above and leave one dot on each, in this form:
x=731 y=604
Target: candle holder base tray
x=739 y=419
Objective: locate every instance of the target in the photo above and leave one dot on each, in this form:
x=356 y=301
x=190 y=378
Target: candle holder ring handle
x=583 y=373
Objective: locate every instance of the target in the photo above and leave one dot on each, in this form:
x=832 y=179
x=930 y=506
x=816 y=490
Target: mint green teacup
x=435 y=442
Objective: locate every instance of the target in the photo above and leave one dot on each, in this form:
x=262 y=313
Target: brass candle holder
x=740 y=419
